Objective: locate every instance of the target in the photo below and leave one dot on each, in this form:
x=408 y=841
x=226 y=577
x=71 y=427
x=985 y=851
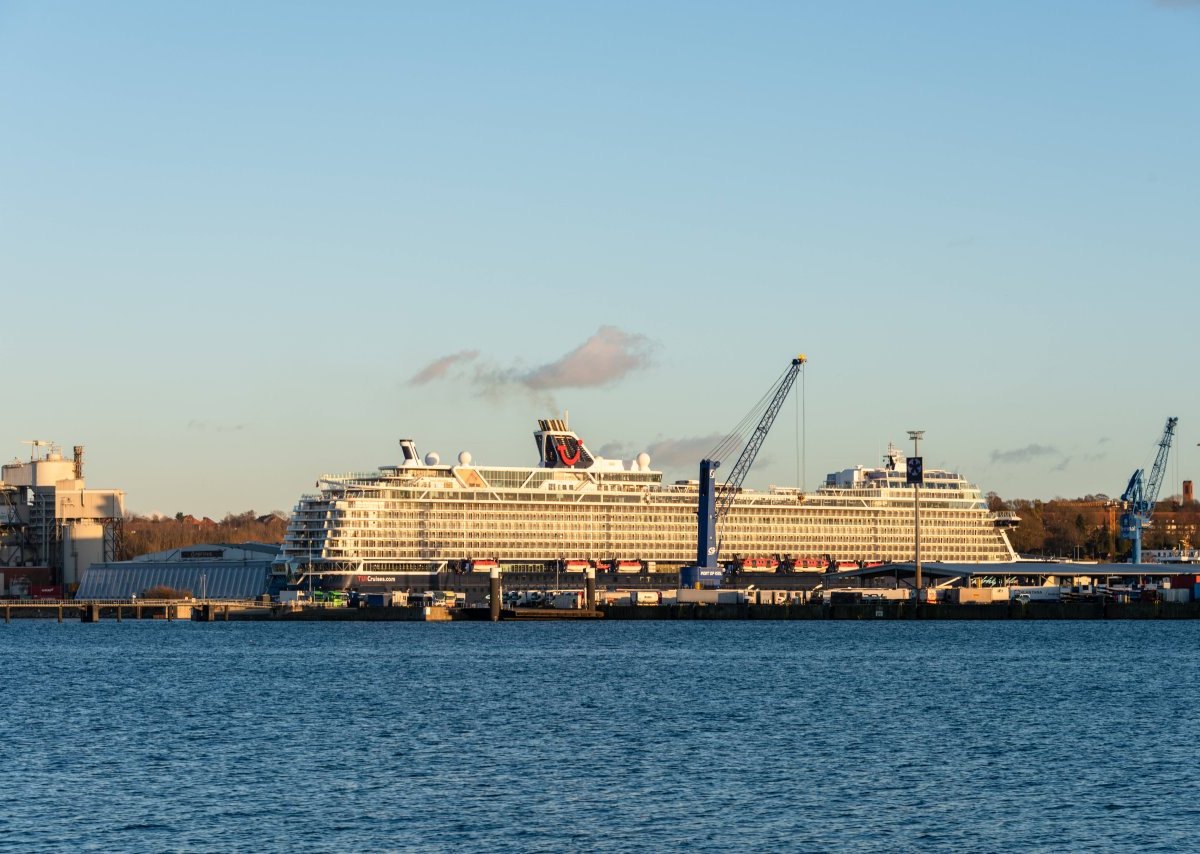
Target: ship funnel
x=559 y=447
x=409 y=448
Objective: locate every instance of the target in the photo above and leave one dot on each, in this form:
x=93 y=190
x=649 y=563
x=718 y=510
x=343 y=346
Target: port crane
x=714 y=503
x=1137 y=502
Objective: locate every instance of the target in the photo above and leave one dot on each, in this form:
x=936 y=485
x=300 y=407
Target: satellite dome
x=432 y=458
x=643 y=461
x=464 y=458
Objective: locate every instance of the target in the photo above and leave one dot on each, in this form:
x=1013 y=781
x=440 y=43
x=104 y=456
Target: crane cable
x=740 y=435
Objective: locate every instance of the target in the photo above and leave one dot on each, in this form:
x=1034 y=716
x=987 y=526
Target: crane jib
x=714 y=504
x=742 y=467
x=1138 y=501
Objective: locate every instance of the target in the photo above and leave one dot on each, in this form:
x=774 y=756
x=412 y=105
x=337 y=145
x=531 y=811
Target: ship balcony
x=1005 y=519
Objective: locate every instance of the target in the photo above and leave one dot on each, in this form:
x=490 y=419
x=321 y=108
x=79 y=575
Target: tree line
x=141 y=535
x=1090 y=527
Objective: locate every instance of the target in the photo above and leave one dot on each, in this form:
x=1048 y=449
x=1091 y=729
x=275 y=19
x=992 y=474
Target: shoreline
x=260 y=612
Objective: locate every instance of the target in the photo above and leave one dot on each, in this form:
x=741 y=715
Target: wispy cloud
x=209 y=427
x=672 y=455
x=614 y=450
x=1023 y=455
x=606 y=357
x=438 y=368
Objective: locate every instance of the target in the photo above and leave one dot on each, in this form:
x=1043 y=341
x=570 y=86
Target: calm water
x=875 y=736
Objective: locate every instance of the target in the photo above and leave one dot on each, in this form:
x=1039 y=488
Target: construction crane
x=1137 y=502
x=715 y=503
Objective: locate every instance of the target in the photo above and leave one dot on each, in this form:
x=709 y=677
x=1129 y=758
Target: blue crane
x=715 y=503
x=1137 y=503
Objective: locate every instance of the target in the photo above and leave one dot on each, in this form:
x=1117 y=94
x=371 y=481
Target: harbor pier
x=96 y=610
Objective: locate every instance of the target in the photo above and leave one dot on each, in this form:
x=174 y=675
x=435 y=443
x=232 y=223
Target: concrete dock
x=1097 y=610
x=217 y=610
x=95 y=610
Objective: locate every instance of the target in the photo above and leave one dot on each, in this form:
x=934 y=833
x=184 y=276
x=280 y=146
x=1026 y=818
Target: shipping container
x=970 y=595
x=1035 y=594
x=686 y=596
x=768 y=597
x=570 y=600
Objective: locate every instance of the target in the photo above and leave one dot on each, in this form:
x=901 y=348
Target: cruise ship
x=574 y=509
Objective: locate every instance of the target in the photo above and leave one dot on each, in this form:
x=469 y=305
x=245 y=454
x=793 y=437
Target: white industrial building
x=50 y=520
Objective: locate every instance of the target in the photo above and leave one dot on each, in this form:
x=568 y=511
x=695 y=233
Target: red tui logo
x=570 y=460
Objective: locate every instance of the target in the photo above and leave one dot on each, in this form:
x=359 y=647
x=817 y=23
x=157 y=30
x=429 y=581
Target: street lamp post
x=915 y=476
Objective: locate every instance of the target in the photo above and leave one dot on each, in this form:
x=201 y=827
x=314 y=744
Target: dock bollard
x=591 y=588
x=494 y=578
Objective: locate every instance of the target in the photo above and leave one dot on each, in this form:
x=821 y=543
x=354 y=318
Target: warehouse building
x=208 y=571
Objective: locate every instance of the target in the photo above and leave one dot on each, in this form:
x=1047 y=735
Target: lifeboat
x=758 y=564
x=483 y=564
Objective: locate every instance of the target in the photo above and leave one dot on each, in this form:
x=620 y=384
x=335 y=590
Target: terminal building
x=207 y=571
x=52 y=527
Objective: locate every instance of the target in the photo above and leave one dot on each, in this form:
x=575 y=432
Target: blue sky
x=232 y=235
